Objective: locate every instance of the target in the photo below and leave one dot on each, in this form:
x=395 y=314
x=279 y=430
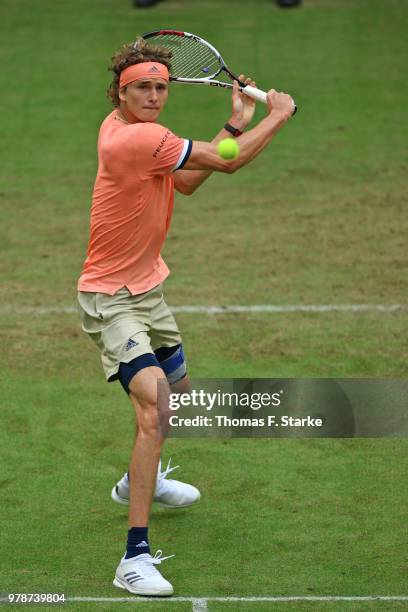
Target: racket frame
x=204 y=80
x=249 y=90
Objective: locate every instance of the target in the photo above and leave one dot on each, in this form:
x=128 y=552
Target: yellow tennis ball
x=228 y=148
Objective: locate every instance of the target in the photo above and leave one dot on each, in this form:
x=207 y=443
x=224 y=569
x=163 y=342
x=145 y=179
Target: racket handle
x=259 y=95
x=255 y=93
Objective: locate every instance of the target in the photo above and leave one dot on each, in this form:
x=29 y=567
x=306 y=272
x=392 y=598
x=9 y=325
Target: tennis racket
x=195 y=61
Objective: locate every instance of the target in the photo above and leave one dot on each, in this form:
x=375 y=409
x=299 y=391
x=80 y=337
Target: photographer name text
x=225 y=421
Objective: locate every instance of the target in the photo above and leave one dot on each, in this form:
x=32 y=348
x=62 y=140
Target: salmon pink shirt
x=132 y=206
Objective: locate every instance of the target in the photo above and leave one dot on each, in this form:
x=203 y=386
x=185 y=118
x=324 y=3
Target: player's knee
x=148 y=423
x=172 y=362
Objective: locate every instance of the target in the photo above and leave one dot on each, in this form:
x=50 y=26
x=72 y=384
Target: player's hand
x=280 y=102
x=243 y=107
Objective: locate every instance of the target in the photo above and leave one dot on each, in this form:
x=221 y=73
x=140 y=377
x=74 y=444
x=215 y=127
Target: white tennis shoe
x=168 y=493
x=139 y=575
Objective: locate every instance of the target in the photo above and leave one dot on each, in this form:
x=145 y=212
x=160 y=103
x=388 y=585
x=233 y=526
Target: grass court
x=318 y=218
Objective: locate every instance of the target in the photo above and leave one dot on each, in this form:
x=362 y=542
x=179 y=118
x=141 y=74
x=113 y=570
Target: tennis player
x=120 y=290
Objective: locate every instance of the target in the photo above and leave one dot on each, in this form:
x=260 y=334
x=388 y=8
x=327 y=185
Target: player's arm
x=204 y=155
x=187 y=182
x=243 y=108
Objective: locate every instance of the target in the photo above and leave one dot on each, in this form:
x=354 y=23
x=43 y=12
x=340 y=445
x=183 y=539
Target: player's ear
x=122 y=94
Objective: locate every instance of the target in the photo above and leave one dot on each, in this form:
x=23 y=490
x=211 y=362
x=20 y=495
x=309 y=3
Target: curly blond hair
x=134 y=53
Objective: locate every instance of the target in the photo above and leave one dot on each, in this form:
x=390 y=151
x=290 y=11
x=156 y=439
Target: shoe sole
x=125 y=502
x=117 y=582
x=174 y=507
x=116 y=498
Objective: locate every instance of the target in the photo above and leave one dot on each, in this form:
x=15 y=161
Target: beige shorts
x=125 y=326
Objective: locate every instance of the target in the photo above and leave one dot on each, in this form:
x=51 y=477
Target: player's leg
x=149 y=440
x=136 y=571
x=168 y=349
x=166 y=341
x=168 y=493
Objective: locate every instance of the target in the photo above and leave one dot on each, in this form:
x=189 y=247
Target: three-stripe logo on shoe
x=132 y=577
x=141 y=544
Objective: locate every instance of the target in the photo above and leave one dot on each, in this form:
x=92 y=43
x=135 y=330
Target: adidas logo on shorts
x=130 y=344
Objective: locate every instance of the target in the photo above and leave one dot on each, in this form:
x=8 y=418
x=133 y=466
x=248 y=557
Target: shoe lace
x=150 y=562
x=157 y=559
x=166 y=472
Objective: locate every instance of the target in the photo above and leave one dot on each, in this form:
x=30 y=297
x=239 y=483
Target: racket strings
x=190 y=59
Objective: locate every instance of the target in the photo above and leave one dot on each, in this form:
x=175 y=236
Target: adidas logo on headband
x=154 y=69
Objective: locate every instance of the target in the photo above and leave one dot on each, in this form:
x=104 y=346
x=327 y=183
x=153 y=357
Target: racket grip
x=259 y=95
x=255 y=93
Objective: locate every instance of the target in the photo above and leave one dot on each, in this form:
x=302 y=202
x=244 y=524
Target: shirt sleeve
x=158 y=151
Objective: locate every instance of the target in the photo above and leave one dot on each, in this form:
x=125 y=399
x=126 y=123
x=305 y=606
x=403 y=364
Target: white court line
x=288 y=308
x=199 y=604
x=202 y=600
x=255 y=308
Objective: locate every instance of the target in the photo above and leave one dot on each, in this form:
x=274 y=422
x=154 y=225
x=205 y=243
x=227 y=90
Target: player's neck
x=124 y=115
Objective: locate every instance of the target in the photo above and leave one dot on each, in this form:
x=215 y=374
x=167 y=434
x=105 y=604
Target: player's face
x=145 y=99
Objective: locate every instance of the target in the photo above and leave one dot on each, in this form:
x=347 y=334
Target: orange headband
x=144 y=70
